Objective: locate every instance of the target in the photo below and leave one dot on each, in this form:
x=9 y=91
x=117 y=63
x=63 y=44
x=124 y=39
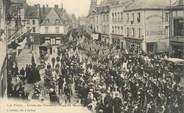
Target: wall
x=157 y=29
x=52 y=30
x=30 y=25
x=3 y=69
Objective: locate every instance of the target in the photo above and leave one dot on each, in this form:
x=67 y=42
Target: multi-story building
x=102 y=22
x=146 y=26
x=32 y=21
x=53 y=27
x=177 y=30
x=47 y=24
x=117 y=23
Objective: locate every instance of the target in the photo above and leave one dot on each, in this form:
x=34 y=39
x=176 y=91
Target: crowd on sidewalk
x=23 y=81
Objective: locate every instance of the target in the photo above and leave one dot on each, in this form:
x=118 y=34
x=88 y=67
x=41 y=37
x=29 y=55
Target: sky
x=77 y=7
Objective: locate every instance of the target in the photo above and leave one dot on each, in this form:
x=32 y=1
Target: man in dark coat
x=60 y=84
x=108 y=102
x=53 y=97
x=67 y=92
x=117 y=104
x=22 y=72
x=38 y=78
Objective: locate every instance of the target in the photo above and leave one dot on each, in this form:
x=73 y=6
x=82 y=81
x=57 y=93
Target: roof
x=102 y=9
x=148 y=4
x=51 y=18
x=32 y=12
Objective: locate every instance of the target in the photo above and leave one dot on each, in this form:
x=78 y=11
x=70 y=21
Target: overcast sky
x=78 y=7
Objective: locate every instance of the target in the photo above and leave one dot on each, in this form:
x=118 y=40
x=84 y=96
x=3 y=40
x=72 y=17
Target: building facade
x=32 y=22
x=102 y=22
x=177 y=30
x=53 y=29
x=141 y=25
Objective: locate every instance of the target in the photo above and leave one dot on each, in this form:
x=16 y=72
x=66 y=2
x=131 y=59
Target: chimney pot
x=56 y=6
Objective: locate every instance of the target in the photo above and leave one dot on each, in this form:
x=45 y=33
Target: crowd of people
x=20 y=80
x=107 y=80
x=119 y=81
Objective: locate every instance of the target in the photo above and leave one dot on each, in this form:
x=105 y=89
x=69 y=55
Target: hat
x=51 y=90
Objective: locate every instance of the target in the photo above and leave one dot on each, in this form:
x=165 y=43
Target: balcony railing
x=22 y=31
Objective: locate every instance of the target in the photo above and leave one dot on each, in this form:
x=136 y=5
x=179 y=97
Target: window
x=139 y=32
x=46 y=29
x=118 y=30
x=33 y=22
x=139 y=17
x=57 y=29
x=118 y=16
x=121 y=29
x=28 y=22
x=127 y=32
x=127 y=17
x=133 y=17
x=178 y=27
x=112 y=29
x=34 y=29
x=166 y=30
x=58 y=41
x=133 y=32
x=57 y=21
x=166 y=17
x=113 y=16
x=47 y=41
x=121 y=16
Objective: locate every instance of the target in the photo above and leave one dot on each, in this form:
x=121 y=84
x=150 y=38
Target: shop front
x=105 y=38
x=118 y=41
x=54 y=40
x=133 y=45
x=177 y=49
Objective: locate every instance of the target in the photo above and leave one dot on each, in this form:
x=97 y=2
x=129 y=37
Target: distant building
x=102 y=22
x=32 y=21
x=53 y=27
x=177 y=29
x=142 y=25
x=117 y=23
x=48 y=24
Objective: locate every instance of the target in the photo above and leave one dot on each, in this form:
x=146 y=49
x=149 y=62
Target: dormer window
x=57 y=21
x=47 y=21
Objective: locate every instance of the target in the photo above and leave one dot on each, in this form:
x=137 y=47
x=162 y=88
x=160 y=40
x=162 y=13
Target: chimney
x=56 y=6
x=43 y=12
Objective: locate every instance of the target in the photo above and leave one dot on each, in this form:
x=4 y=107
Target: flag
x=2 y=35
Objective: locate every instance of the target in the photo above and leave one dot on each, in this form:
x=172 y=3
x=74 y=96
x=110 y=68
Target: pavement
x=24 y=58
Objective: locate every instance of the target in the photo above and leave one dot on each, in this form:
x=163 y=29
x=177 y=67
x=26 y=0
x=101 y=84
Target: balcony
x=21 y=32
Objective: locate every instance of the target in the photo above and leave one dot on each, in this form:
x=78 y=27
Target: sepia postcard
x=91 y=56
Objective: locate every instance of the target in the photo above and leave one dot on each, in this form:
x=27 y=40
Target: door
x=151 y=47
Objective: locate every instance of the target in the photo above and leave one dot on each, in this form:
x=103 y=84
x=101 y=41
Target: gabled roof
x=51 y=18
x=148 y=4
